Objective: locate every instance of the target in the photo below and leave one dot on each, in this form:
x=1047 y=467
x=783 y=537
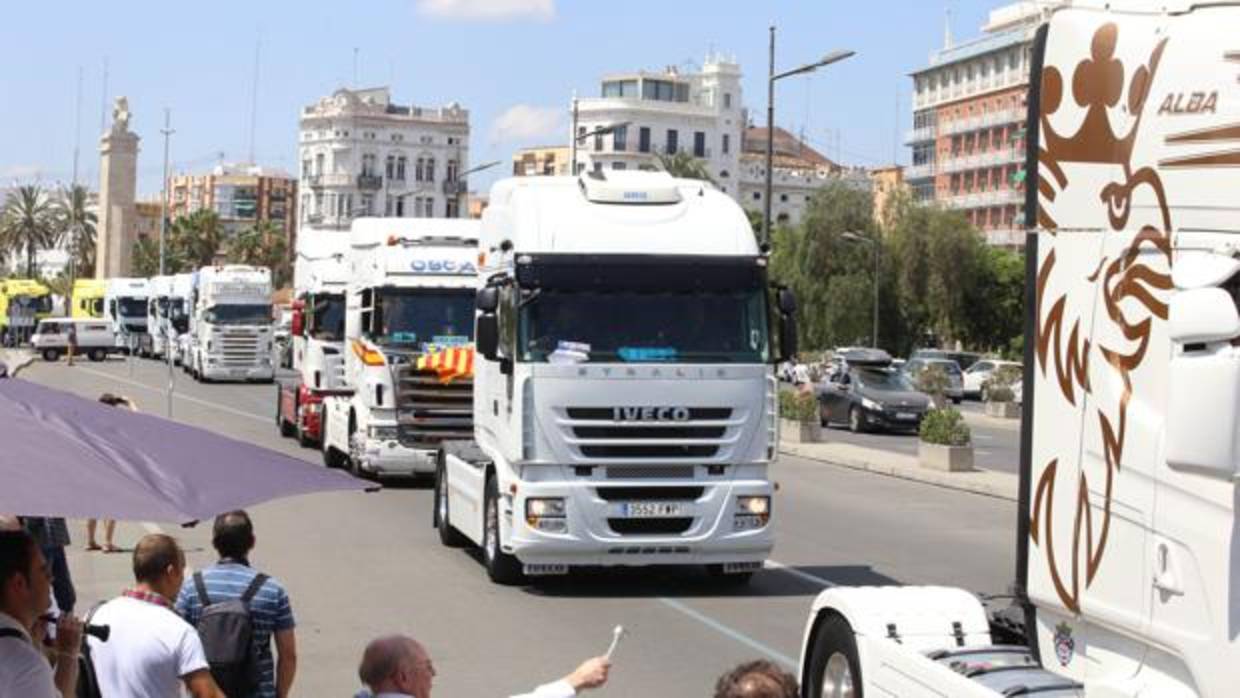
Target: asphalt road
x=996 y=443
x=359 y=565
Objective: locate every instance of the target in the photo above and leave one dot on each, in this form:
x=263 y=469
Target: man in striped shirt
x=271 y=616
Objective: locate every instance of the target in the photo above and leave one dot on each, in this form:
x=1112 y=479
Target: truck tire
x=97 y=355
x=51 y=355
x=502 y=568
x=834 y=667
x=448 y=535
x=303 y=439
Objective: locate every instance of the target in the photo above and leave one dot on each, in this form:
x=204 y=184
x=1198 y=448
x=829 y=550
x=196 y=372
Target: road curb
x=987 y=483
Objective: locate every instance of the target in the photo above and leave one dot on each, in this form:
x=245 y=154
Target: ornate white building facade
x=362 y=155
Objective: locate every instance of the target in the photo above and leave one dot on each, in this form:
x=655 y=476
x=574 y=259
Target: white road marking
x=983 y=437
x=179 y=396
x=729 y=632
x=983 y=452
x=803 y=576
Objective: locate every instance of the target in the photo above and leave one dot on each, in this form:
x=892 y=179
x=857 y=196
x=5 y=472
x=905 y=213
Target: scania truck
x=124 y=305
x=625 y=402
x=1127 y=539
x=167 y=317
x=411 y=286
x=320 y=280
x=230 y=324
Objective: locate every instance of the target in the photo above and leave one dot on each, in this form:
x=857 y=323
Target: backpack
x=227 y=635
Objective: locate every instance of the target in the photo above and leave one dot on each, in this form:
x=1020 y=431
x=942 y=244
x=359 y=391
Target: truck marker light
x=369 y=356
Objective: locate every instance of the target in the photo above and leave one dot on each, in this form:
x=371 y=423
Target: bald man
x=398 y=666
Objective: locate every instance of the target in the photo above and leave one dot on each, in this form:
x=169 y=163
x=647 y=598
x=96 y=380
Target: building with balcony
x=363 y=155
x=799 y=170
x=241 y=195
x=968 y=134
x=545 y=160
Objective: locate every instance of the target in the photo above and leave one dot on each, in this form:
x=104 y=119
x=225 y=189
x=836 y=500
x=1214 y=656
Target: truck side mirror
x=1203 y=387
x=487 y=299
x=486 y=336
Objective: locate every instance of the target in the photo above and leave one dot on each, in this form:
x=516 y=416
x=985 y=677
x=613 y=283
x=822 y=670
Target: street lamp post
x=772 y=77
x=163 y=232
x=576 y=138
x=873 y=243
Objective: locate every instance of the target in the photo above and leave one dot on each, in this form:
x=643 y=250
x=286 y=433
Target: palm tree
x=684 y=165
x=262 y=245
x=77 y=224
x=195 y=239
x=27 y=223
x=146 y=258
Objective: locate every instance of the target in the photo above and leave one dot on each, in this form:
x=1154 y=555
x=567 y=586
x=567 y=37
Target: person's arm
x=591 y=674
x=201 y=685
x=286 y=661
x=68 y=649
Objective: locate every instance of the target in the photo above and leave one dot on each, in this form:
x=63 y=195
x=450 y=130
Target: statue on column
x=120 y=115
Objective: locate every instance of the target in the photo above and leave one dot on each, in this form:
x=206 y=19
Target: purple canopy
x=63 y=455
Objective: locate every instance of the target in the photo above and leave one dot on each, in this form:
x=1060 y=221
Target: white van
x=95 y=338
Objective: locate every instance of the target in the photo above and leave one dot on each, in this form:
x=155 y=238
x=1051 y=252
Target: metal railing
x=369 y=181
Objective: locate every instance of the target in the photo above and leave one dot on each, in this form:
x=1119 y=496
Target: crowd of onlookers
x=227 y=630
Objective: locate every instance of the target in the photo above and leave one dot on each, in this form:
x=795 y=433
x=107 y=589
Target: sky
x=513 y=63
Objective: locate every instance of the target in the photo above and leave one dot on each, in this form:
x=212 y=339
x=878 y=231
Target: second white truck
x=230 y=325
x=124 y=306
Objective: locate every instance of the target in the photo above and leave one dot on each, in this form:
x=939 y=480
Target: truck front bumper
x=388 y=458
x=238 y=373
x=598 y=531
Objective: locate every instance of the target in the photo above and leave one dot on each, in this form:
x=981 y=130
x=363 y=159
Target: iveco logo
x=650 y=414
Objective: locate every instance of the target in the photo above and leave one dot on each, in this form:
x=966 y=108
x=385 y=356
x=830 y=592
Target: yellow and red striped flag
x=449 y=364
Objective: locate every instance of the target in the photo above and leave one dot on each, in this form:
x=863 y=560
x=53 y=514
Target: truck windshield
x=327 y=318
x=424 y=317
x=31 y=304
x=176 y=313
x=131 y=307
x=645 y=327
x=247 y=314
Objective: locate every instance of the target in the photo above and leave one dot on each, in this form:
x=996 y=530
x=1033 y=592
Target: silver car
x=955 y=377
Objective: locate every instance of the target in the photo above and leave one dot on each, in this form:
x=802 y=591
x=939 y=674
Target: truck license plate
x=651 y=510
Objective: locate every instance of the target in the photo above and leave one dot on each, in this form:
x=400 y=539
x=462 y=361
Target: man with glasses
x=25 y=595
x=397 y=666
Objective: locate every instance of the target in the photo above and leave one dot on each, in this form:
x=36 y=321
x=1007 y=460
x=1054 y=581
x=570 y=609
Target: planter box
x=952 y=459
x=1003 y=410
x=801 y=432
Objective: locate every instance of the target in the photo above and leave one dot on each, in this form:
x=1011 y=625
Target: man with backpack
x=238 y=611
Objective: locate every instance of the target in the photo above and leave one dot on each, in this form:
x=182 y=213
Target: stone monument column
x=118 y=177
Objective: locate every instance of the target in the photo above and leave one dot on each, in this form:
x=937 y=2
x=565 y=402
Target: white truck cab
x=625 y=405
x=411 y=286
x=124 y=306
x=1128 y=543
x=231 y=325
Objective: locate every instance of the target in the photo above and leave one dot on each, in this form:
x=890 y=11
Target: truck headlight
x=546 y=514
x=751 y=512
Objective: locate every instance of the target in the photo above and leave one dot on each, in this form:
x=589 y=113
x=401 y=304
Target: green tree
x=263 y=245
x=194 y=241
x=685 y=166
x=27 y=224
x=146 y=257
x=76 y=227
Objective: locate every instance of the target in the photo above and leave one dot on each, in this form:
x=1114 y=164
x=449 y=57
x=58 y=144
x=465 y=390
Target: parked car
x=95 y=338
x=955 y=381
x=976 y=376
x=868 y=394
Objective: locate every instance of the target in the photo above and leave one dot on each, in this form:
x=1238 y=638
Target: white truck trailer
x=124 y=306
x=625 y=404
x=230 y=328
x=320 y=281
x=1128 y=543
x=411 y=288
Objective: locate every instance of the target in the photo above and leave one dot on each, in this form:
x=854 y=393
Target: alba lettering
x=1189 y=103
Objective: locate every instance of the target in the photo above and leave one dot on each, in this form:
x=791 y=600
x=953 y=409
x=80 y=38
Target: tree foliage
x=682 y=164
x=27 y=224
x=200 y=239
x=76 y=225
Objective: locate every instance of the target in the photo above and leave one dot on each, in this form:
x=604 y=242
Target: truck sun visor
x=581 y=272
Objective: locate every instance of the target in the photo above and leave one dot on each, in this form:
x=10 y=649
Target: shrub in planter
x=933 y=381
x=998 y=394
x=800 y=412
x=946 y=442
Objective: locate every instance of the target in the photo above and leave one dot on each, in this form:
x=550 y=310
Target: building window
x=451 y=173
x=699 y=144
x=419 y=170
x=391 y=167
x=400 y=207
x=726 y=145
x=727 y=100
x=454 y=208
x=619 y=139
x=619 y=166
x=430 y=169
x=643 y=139
x=783 y=198
x=400 y=168
x=597 y=168
x=672 y=137
x=757 y=196
x=368 y=164
x=598 y=141
x=318 y=164
x=366 y=203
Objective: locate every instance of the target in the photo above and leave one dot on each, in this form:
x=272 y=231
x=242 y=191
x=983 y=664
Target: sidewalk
x=984 y=482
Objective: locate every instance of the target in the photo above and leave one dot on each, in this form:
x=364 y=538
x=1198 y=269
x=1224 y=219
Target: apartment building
x=242 y=195
x=543 y=160
x=364 y=155
x=969 y=109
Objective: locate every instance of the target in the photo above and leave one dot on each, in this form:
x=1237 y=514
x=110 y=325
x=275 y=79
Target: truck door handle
x=1165 y=578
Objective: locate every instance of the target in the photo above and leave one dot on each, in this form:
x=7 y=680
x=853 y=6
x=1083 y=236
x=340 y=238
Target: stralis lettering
x=650 y=414
x=1189 y=103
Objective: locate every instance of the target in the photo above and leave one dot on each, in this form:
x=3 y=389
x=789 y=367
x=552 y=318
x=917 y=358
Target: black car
x=872 y=397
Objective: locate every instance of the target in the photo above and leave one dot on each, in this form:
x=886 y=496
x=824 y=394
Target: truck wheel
x=728 y=580
x=502 y=568
x=834 y=669
x=303 y=438
x=448 y=535
x=51 y=355
x=96 y=355
x=286 y=428
x=856 y=423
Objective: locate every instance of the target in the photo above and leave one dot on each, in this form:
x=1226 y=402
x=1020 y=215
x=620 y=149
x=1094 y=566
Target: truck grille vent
x=650 y=550
x=650 y=527
x=429 y=411
x=650 y=472
x=649 y=432
x=649 y=451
